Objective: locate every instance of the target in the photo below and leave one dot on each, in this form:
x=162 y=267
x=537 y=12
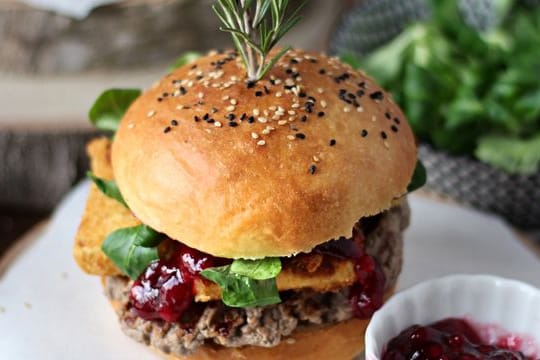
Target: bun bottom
x=344 y=340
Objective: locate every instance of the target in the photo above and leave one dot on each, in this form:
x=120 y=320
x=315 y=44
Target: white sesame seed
x=131 y=125
x=272 y=108
x=230 y=108
x=217 y=124
x=291 y=112
x=225 y=98
x=386 y=145
x=200 y=95
x=261 y=142
x=262 y=119
x=254 y=135
x=289 y=82
x=316 y=158
x=151 y=113
x=234 y=102
x=278 y=81
x=373 y=118
x=278 y=94
x=291 y=137
x=360 y=109
x=298 y=78
x=292 y=118
x=179 y=107
x=190 y=83
x=346 y=109
x=266 y=131
x=320 y=90
x=324 y=104
x=295 y=105
x=282 y=122
x=256 y=112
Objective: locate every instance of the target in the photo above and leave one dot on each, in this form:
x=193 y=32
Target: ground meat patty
x=262 y=326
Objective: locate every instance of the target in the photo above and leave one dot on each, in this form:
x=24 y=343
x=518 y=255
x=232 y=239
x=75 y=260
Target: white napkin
x=78 y=9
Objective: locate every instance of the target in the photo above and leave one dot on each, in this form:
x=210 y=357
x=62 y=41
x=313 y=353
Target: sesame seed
x=131 y=125
x=360 y=109
x=322 y=71
x=167 y=129
x=262 y=119
x=386 y=145
x=230 y=108
x=387 y=115
x=179 y=107
x=377 y=95
x=217 y=124
x=291 y=137
x=243 y=116
x=196 y=118
x=303 y=118
x=346 y=109
x=266 y=131
x=364 y=133
x=394 y=128
x=200 y=95
x=151 y=113
x=316 y=158
x=312 y=169
x=295 y=105
x=332 y=142
x=373 y=118
x=258 y=93
x=396 y=120
x=174 y=123
x=225 y=98
x=261 y=142
x=282 y=122
x=256 y=112
x=324 y=104
x=206 y=117
x=233 y=102
x=254 y=135
x=291 y=112
x=320 y=114
x=233 y=124
x=278 y=94
x=383 y=135
x=251 y=119
x=320 y=90
x=300 y=136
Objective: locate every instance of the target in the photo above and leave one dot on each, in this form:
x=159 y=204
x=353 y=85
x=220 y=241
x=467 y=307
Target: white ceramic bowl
x=493 y=302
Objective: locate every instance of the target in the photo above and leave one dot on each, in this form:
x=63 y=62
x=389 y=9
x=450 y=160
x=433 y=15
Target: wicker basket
x=517 y=198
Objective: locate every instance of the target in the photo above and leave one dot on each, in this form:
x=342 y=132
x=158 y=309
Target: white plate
x=50 y=309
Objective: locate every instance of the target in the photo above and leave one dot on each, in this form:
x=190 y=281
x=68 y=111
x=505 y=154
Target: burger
x=251 y=220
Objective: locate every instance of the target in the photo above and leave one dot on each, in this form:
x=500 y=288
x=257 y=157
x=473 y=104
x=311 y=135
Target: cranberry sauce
x=166 y=288
x=449 y=339
x=367 y=294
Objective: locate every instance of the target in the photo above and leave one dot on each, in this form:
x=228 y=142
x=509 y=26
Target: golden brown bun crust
x=215 y=189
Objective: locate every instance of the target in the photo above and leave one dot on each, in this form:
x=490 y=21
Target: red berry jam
x=449 y=339
x=367 y=294
x=166 y=288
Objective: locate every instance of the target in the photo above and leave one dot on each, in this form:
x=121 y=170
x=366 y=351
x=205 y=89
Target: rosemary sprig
x=256 y=27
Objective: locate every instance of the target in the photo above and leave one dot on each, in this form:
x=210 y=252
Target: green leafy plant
x=107 y=187
x=132 y=249
x=469 y=92
x=247 y=283
x=256 y=27
x=109 y=108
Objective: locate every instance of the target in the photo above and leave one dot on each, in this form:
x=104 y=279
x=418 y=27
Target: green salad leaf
x=247 y=283
x=419 y=177
x=185 y=58
x=132 y=249
x=466 y=90
x=107 y=187
x=110 y=106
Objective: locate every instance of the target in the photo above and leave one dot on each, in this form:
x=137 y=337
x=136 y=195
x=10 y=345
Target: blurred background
x=466 y=72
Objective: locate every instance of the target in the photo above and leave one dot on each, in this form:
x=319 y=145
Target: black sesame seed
x=294 y=61
x=396 y=120
x=312 y=169
x=320 y=114
x=159 y=99
x=174 y=123
x=360 y=93
x=231 y=116
x=199 y=77
x=167 y=129
x=258 y=93
x=362 y=84
x=394 y=128
x=272 y=81
x=210 y=121
x=165 y=94
x=342 y=91
x=251 y=119
x=312 y=99
x=377 y=95
x=383 y=135
x=302 y=94
x=206 y=116
x=351 y=96
x=243 y=116
x=322 y=71
x=300 y=136
x=313 y=61
x=364 y=133
x=304 y=118
x=332 y=142
x=196 y=118
x=387 y=115
x=183 y=90
x=194 y=66
x=289 y=71
x=214 y=110
x=233 y=124
x=266 y=91
x=250 y=84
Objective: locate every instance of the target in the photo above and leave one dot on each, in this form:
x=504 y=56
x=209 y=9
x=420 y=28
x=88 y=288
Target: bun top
x=244 y=170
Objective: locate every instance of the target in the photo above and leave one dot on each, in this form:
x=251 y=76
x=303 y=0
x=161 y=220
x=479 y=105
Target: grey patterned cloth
x=517 y=198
